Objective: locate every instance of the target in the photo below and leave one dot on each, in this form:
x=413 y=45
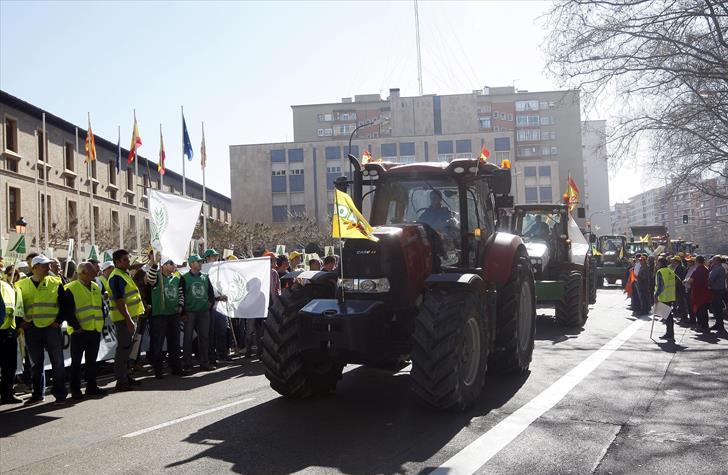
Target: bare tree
x=666 y=63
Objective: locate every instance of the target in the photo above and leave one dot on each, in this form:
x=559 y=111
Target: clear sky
x=240 y=66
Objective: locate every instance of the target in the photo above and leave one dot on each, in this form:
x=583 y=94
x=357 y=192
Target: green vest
x=132 y=298
x=167 y=304
x=668 y=282
x=88 y=302
x=40 y=303
x=196 y=292
x=8 y=293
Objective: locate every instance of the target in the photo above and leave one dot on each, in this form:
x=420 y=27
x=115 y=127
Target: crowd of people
x=691 y=286
x=134 y=296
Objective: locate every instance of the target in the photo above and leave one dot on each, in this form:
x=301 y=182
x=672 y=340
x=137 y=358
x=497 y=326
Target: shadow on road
x=373 y=424
x=548 y=329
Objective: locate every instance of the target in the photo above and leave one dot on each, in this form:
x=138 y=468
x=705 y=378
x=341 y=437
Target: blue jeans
x=218 y=336
x=51 y=340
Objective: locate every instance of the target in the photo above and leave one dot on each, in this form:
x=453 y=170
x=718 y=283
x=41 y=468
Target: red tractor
x=441 y=288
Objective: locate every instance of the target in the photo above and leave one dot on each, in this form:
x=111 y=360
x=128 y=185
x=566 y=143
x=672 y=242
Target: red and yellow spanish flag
x=90 y=143
x=136 y=142
x=572 y=192
x=484 y=154
x=366 y=157
x=161 y=167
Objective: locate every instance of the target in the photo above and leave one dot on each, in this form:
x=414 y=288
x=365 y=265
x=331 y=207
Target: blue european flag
x=186 y=141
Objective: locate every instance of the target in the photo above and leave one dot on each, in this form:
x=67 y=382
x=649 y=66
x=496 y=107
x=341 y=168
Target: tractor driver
x=436 y=215
x=539 y=229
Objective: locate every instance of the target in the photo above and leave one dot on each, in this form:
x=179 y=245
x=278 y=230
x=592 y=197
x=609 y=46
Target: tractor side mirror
x=592 y=238
x=580 y=213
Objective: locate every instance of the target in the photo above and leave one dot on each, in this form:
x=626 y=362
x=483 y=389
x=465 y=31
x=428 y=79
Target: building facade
x=539 y=132
x=596 y=175
x=63 y=181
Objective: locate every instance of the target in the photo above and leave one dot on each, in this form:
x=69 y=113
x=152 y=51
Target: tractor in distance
x=440 y=288
x=612 y=259
x=561 y=260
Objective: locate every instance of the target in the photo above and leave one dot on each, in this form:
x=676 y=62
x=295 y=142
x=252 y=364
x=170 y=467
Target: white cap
x=106 y=265
x=41 y=259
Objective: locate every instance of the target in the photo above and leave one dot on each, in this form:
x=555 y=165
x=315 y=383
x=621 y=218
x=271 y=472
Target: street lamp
x=589 y=222
x=20 y=225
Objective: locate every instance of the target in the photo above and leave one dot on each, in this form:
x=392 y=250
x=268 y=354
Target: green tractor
x=612 y=260
x=561 y=260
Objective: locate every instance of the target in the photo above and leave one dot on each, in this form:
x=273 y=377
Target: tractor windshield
x=540 y=226
x=610 y=244
x=435 y=202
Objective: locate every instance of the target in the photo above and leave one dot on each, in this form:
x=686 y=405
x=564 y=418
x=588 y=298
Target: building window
x=320 y=132
x=114 y=219
x=298 y=211
x=354 y=150
x=333 y=153
x=43 y=200
x=548 y=135
x=296 y=181
x=41 y=154
x=332 y=173
x=295 y=155
x=97 y=220
x=112 y=173
x=526 y=106
x=132 y=223
x=13 y=207
x=527 y=120
x=69 y=156
x=547 y=120
x=502 y=143
x=93 y=170
x=544 y=171
x=407 y=149
x=529 y=171
x=280 y=214
x=278 y=181
x=72 y=215
x=278 y=156
x=463 y=146
x=444 y=150
x=130 y=180
x=484 y=122
x=531 y=194
x=545 y=194
x=328 y=132
x=528 y=135
x=389 y=150
x=11 y=135
x=500 y=156
x=721 y=210
x=528 y=151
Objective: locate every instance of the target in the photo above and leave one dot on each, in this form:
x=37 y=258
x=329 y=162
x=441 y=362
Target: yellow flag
x=621 y=253
x=348 y=221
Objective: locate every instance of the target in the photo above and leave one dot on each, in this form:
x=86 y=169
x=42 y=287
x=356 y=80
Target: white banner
x=246 y=283
x=173 y=220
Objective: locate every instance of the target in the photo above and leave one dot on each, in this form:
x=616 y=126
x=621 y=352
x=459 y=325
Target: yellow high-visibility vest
x=40 y=304
x=8 y=293
x=89 y=311
x=132 y=298
x=668 y=282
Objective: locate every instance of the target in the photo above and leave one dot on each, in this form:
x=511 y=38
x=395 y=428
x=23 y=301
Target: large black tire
x=450 y=349
x=570 y=311
x=289 y=372
x=612 y=280
x=515 y=321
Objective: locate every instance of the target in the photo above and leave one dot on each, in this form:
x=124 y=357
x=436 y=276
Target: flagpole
x=204 y=202
x=136 y=198
x=164 y=165
x=121 y=195
x=37 y=192
x=45 y=183
x=78 y=198
x=90 y=187
x=184 y=185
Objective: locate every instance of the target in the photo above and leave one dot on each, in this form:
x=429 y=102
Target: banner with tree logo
x=172 y=222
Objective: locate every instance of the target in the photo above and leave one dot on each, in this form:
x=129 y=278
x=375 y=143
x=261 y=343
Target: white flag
x=173 y=220
x=246 y=283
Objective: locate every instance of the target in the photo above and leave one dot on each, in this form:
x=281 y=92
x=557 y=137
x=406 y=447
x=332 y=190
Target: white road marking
x=480 y=451
x=187 y=418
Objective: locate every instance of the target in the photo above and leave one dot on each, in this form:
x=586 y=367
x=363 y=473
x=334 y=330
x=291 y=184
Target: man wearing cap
x=294 y=259
x=218 y=322
x=164 y=320
x=55 y=269
x=11 y=309
x=42 y=295
x=82 y=307
x=126 y=308
x=196 y=297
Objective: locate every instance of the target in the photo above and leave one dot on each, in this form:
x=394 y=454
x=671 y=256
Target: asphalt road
x=604 y=399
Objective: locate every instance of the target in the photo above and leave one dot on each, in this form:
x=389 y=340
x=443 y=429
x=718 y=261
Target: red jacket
x=700 y=294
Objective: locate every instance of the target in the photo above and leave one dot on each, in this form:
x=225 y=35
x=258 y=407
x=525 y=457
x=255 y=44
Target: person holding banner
x=164 y=320
x=42 y=294
x=218 y=322
x=11 y=309
x=125 y=312
x=82 y=307
x=196 y=297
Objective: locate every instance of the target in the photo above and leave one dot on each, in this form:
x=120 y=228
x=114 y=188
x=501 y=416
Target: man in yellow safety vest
x=126 y=308
x=42 y=294
x=665 y=292
x=82 y=308
x=11 y=308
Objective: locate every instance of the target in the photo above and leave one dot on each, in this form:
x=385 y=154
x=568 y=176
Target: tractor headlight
x=371 y=286
x=536 y=263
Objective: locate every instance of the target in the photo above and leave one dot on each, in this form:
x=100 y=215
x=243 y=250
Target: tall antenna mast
x=419 y=54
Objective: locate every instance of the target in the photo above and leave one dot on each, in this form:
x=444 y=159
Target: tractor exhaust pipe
x=357 y=186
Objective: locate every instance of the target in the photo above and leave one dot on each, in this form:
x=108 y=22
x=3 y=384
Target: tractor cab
x=544 y=230
x=612 y=249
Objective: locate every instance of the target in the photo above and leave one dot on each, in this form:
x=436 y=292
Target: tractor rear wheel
x=570 y=311
x=516 y=320
x=289 y=372
x=450 y=349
